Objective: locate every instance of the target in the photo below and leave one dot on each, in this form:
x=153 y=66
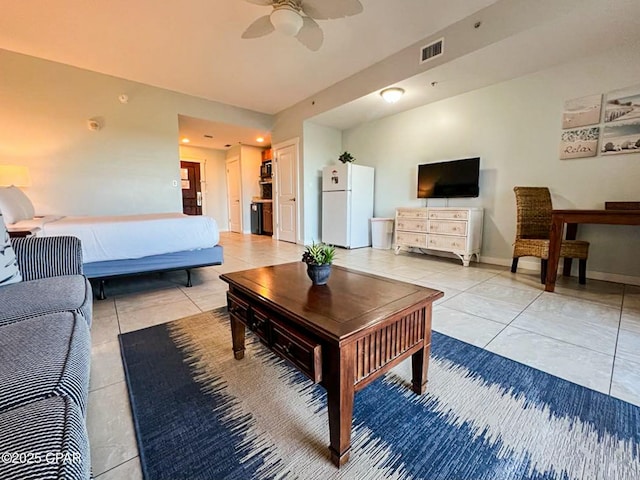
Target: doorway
x=234 y=189
x=191 y=188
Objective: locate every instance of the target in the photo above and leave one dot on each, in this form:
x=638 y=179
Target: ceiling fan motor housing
x=297 y=18
x=294 y=4
x=286 y=17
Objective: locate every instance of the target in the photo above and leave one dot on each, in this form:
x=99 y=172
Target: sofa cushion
x=44 y=439
x=9 y=271
x=69 y=293
x=42 y=357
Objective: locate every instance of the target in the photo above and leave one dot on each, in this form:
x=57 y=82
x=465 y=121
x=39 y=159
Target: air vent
x=432 y=51
x=208 y=136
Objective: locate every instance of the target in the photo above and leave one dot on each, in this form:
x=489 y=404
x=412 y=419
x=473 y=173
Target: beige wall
x=515 y=128
x=322 y=146
x=128 y=166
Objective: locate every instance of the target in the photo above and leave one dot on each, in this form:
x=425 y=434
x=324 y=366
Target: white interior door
x=286 y=195
x=234 y=187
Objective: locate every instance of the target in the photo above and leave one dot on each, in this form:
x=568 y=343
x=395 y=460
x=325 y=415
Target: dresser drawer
x=443 y=242
x=449 y=214
x=448 y=227
x=259 y=324
x=411 y=239
x=238 y=308
x=411 y=213
x=295 y=347
x=411 y=225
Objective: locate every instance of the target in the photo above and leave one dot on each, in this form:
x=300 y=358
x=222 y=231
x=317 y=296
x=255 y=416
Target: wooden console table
x=572 y=218
x=342 y=335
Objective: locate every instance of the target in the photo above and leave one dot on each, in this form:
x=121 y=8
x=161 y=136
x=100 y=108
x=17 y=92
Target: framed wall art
x=579 y=143
x=621 y=137
x=623 y=104
x=582 y=111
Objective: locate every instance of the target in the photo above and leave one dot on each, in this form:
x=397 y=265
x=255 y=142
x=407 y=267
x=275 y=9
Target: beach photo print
x=623 y=105
x=582 y=111
x=621 y=137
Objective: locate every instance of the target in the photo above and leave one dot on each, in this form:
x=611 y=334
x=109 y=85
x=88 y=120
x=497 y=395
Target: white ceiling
x=195 y=48
x=223 y=135
x=568 y=36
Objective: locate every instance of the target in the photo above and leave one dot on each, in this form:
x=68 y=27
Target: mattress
x=131 y=236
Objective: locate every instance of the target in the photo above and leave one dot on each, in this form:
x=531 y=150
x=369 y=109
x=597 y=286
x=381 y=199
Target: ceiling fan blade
x=264 y=3
x=259 y=28
x=310 y=35
x=328 y=9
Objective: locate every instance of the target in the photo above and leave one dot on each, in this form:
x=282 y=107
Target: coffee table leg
x=340 y=391
x=237 y=336
x=420 y=367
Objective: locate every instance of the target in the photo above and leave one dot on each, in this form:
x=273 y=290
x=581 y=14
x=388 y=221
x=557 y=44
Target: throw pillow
x=9 y=271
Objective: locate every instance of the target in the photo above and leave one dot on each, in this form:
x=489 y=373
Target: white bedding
x=131 y=236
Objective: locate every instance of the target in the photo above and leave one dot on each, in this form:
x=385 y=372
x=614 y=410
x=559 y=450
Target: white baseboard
x=534 y=265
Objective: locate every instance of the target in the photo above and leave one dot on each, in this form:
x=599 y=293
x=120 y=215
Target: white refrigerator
x=347 y=205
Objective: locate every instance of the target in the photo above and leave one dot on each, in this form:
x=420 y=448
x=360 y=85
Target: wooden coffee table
x=342 y=335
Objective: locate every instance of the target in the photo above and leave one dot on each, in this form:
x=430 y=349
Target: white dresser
x=446 y=229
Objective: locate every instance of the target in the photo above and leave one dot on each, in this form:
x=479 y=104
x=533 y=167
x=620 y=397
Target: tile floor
x=588 y=334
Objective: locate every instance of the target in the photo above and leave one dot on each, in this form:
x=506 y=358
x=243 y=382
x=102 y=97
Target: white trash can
x=381 y=233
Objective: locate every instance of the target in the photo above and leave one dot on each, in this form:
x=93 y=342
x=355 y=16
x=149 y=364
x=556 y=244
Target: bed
x=116 y=246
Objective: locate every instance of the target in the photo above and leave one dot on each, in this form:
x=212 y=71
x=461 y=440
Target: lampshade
x=286 y=20
x=392 y=95
x=17 y=175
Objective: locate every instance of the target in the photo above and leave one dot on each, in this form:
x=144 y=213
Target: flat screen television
x=456 y=178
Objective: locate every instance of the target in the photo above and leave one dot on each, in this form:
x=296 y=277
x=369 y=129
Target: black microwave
x=265 y=170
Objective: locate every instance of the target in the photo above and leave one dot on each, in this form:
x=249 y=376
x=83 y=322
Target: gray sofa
x=45 y=354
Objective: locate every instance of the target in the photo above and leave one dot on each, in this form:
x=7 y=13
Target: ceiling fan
x=297 y=18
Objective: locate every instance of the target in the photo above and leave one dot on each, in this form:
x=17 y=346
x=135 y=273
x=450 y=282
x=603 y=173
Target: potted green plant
x=346 y=157
x=318 y=257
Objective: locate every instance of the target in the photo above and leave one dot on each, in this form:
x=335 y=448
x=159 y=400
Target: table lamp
x=17 y=175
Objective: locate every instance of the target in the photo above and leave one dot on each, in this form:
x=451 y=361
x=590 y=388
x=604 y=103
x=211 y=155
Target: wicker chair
x=533 y=205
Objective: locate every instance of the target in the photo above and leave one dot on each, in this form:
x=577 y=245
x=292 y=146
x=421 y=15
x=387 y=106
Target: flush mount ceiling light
x=185 y=140
x=392 y=95
x=286 y=20
x=260 y=139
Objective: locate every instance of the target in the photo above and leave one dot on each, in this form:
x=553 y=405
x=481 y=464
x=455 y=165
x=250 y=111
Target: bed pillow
x=9 y=271
x=15 y=205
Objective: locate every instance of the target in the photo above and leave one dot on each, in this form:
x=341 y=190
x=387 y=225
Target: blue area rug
x=200 y=414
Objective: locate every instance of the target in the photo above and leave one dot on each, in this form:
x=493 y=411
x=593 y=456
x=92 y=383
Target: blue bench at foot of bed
x=166 y=262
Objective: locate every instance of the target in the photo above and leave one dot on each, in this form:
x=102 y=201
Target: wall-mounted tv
x=456 y=178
